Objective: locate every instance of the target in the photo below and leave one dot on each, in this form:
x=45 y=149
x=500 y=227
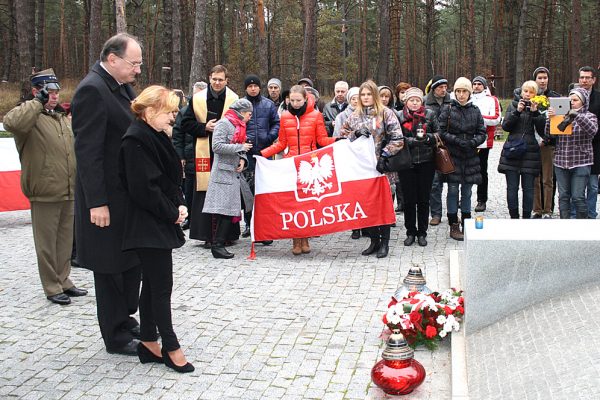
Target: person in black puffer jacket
x=521 y=120
x=418 y=128
x=462 y=128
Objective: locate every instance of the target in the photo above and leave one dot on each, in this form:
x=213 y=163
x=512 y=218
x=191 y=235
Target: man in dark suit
x=101 y=115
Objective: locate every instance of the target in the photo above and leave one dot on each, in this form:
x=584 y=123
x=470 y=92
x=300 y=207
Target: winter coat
x=340 y=119
x=184 y=143
x=463 y=124
x=263 y=128
x=489 y=106
x=300 y=134
x=575 y=150
x=594 y=108
x=522 y=125
x=150 y=171
x=330 y=112
x=101 y=116
x=226 y=184
x=44 y=141
x=421 y=150
x=431 y=103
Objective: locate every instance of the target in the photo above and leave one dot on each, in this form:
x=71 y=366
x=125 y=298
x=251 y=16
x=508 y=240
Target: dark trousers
x=155 y=299
x=512 y=191
x=189 y=188
x=416 y=186
x=381 y=232
x=117 y=298
x=482 y=189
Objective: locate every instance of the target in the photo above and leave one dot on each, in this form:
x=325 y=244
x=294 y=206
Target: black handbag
x=515 y=149
x=400 y=161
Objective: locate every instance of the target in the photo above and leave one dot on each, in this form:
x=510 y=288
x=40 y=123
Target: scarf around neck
x=239 y=135
x=413 y=118
x=298 y=111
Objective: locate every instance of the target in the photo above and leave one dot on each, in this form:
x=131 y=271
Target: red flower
x=460 y=309
x=415 y=317
x=393 y=302
x=448 y=310
x=430 y=332
x=385 y=319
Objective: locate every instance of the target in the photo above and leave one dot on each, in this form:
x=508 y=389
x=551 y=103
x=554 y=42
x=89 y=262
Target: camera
x=527 y=103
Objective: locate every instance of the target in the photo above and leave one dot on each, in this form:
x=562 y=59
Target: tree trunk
x=176 y=56
x=263 y=61
x=430 y=29
x=384 y=44
x=167 y=42
x=309 y=48
x=471 y=36
x=363 y=69
x=22 y=9
x=576 y=37
x=520 y=50
x=9 y=49
x=395 y=28
x=198 y=52
x=62 y=46
x=40 y=35
x=120 y=20
x=95 y=29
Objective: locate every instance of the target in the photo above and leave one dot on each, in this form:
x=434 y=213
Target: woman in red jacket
x=302 y=129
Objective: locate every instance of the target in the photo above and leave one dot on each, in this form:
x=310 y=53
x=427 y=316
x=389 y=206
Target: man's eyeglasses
x=133 y=64
x=586 y=78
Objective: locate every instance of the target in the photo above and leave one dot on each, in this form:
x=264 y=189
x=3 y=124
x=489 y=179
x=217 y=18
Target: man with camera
x=44 y=140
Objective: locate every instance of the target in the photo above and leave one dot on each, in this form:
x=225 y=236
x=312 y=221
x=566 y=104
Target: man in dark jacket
x=261 y=130
x=274 y=89
x=437 y=99
x=184 y=145
x=587 y=80
x=336 y=106
x=101 y=115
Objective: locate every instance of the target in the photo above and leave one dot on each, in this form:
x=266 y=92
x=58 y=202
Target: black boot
x=581 y=215
x=218 y=247
x=514 y=213
x=384 y=248
x=247 y=219
x=373 y=247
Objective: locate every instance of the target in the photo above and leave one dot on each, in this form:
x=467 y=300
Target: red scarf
x=412 y=119
x=240 y=126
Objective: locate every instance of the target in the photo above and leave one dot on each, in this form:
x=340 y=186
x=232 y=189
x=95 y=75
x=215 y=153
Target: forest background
x=387 y=40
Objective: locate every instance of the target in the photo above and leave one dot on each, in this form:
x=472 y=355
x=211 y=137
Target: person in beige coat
x=44 y=140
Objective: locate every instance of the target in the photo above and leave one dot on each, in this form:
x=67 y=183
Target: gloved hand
x=381 y=164
x=569 y=118
x=364 y=131
x=464 y=144
x=429 y=137
x=43 y=96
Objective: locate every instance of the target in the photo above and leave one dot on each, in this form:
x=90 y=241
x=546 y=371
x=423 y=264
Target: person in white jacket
x=490 y=110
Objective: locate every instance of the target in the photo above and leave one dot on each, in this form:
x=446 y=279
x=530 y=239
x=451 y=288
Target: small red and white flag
x=11 y=197
x=333 y=189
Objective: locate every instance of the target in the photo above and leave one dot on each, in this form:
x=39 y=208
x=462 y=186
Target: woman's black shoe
x=146 y=356
x=410 y=239
x=355 y=234
x=373 y=247
x=422 y=241
x=383 y=248
x=169 y=363
x=220 y=252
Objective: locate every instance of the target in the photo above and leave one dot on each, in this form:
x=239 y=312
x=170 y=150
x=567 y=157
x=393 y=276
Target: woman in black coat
x=418 y=128
x=462 y=129
x=521 y=120
x=151 y=173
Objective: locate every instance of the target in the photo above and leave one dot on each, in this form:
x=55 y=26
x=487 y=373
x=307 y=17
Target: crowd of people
x=130 y=173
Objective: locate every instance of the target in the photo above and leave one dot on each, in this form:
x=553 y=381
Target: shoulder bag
x=515 y=148
x=443 y=161
x=400 y=161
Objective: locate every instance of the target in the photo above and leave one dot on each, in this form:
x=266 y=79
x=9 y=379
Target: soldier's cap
x=45 y=78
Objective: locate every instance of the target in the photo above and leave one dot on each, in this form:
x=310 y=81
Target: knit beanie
x=251 y=79
x=463 y=83
x=412 y=92
x=437 y=81
x=481 y=80
x=274 y=81
x=582 y=94
x=353 y=91
x=540 y=69
x=306 y=80
x=241 y=105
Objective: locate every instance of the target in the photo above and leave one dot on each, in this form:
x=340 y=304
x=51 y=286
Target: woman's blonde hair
x=530 y=85
x=157 y=97
x=377 y=104
x=298 y=89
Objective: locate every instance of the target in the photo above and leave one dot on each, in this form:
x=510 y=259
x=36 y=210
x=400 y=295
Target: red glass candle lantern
x=398 y=372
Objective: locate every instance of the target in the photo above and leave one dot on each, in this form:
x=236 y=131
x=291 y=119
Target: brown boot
x=305 y=246
x=297 y=247
x=455 y=232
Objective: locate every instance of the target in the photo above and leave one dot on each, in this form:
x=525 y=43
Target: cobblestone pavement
x=280 y=327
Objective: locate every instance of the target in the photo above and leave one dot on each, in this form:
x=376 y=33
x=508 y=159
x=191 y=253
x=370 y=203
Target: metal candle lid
x=397 y=349
x=413 y=282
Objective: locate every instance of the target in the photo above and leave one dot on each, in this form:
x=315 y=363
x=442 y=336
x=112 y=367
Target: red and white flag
x=11 y=197
x=333 y=189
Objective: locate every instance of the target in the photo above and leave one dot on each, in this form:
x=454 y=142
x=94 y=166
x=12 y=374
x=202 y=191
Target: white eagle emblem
x=314 y=176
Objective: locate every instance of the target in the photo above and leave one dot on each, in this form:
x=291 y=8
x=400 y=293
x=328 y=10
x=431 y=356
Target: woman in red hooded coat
x=302 y=129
